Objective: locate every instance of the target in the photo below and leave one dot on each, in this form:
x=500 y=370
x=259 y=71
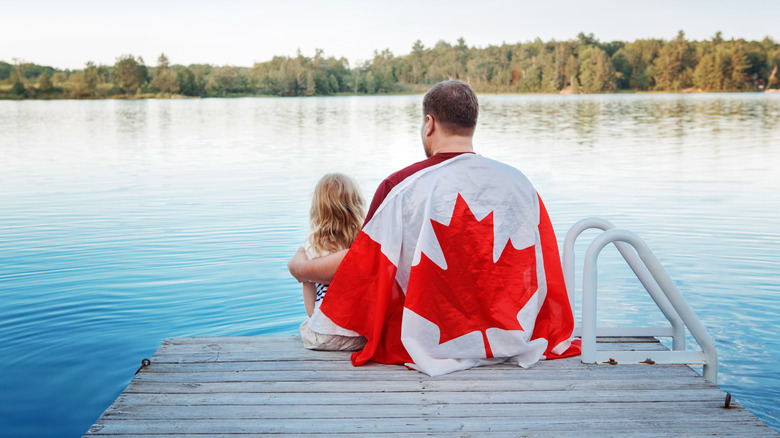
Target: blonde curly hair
x=336 y=215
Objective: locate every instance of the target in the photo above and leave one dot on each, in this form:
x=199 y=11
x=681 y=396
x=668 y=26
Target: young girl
x=337 y=213
x=336 y=216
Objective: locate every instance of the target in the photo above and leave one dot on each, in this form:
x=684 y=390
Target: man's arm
x=320 y=270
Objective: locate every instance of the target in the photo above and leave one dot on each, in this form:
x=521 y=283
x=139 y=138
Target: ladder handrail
x=636 y=265
x=664 y=282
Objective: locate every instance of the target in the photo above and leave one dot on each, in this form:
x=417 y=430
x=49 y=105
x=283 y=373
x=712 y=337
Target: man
x=456 y=265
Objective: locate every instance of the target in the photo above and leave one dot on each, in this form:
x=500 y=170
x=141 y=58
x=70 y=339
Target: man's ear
x=429 y=126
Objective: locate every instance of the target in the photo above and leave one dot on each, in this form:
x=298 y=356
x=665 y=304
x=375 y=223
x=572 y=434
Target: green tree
x=739 y=65
x=587 y=40
x=461 y=59
x=674 y=65
x=597 y=74
x=556 y=69
x=201 y=73
x=707 y=76
x=638 y=69
x=129 y=74
x=320 y=75
x=382 y=73
x=165 y=80
x=5 y=70
x=369 y=83
x=419 y=70
x=334 y=83
x=186 y=82
x=622 y=71
x=226 y=80
x=302 y=76
x=575 y=85
x=17 y=86
x=723 y=66
x=44 y=82
x=162 y=61
x=79 y=88
x=772 y=50
x=93 y=76
x=20 y=67
x=59 y=77
x=34 y=71
x=311 y=84
x=572 y=70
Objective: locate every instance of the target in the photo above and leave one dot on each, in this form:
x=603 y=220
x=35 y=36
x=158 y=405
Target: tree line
x=580 y=65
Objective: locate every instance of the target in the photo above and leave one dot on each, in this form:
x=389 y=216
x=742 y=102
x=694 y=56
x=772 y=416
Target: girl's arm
x=309 y=297
x=320 y=269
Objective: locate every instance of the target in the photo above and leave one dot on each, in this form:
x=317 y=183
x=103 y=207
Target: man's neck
x=452 y=144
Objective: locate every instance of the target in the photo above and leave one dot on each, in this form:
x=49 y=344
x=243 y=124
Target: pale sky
x=68 y=33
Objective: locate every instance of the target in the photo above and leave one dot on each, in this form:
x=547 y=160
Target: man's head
x=454 y=108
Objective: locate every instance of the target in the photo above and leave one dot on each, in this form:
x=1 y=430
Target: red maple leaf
x=473 y=293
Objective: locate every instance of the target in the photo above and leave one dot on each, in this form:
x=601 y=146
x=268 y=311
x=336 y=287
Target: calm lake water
x=126 y=222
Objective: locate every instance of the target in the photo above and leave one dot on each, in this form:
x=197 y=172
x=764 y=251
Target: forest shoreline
x=583 y=65
x=161 y=96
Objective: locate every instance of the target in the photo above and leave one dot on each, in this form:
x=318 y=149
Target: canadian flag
x=458 y=267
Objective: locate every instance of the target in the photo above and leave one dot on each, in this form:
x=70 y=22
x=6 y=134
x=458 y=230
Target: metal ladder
x=658 y=284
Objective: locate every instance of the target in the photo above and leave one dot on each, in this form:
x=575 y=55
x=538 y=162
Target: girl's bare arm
x=309 y=297
x=320 y=269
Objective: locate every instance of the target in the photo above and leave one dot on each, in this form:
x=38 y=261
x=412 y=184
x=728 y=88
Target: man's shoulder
x=397 y=177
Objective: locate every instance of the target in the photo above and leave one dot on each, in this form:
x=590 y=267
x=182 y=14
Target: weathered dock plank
x=260 y=386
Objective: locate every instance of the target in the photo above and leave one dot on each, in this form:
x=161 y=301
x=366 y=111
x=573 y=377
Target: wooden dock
x=252 y=386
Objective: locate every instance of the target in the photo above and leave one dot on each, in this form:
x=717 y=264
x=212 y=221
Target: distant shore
x=166 y=96
x=583 y=65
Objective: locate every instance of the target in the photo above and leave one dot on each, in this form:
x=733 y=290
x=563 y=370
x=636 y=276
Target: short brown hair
x=454 y=105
